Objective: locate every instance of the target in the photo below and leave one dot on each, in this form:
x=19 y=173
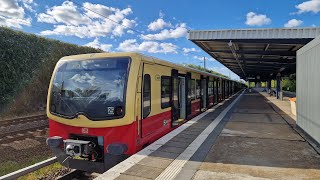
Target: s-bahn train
x=105 y=107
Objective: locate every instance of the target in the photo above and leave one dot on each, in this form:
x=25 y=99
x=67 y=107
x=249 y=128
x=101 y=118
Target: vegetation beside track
x=49 y=172
x=12 y=165
x=289 y=84
x=26 y=64
x=206 y=70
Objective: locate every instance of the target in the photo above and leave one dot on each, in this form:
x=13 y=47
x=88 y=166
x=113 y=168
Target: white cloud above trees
x=187 y=50
x=70 y=20
x=158 y=25
x=12 y=13
x=132 y=45
x=179 y=31
x=96 y=44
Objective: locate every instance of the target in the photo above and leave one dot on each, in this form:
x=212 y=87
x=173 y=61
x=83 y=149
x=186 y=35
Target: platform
x=246 y=137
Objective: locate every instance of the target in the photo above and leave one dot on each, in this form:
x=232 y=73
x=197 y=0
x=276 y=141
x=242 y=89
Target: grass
x=42 y=172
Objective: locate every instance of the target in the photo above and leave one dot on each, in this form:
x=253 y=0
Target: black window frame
x=143 y=95
x=165 y=105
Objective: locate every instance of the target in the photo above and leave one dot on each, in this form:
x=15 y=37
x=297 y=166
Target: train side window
x=165 y=91
x=198 y=82
x=146 y=95
x=210 y=88
x=192 y=90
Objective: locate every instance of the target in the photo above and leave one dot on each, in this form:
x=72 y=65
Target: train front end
x=91 y=110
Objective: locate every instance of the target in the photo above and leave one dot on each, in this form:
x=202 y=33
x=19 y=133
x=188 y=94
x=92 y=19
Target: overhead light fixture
x=232 y=49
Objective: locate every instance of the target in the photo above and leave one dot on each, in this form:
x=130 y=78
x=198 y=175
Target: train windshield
x=94 y=88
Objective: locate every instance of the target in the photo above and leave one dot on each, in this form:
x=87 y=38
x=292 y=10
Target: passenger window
x=192 y=90
x=165 y=91
x=146 y=95
x=210 y=88
x=198 y=82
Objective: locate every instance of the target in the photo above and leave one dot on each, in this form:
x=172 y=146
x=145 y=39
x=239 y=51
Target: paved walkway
x=257 y=142
x=251 y=141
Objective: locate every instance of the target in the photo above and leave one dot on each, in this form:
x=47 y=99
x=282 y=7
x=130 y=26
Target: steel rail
x=29 y=169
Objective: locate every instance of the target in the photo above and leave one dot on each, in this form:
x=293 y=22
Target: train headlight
x=78 y=147
x=118 y=111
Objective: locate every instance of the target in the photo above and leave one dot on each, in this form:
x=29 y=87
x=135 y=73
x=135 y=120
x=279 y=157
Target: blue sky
x=164 y=24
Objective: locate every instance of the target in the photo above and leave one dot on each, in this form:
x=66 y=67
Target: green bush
x=290 y=83
x=26 y=64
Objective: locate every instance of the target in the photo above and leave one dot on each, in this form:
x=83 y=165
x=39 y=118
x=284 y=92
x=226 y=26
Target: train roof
x=144 y=57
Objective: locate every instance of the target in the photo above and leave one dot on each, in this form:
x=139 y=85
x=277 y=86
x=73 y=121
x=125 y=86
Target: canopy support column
x=269 y=86
x=279 y=88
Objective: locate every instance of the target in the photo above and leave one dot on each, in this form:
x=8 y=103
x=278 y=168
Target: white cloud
x=100 y=9
x=67 y=14
x=158 y=24
x=69 y=20
x=161 y=14
x=309 y=6
x=12 y=14
x=179 y=31
x=11 y=9
x=293 y=23
x=254 y=19
x=187 y=50
x=29 y=5
x=147 y=46
x=42 y=17
x=96 y=44
x=198 y=57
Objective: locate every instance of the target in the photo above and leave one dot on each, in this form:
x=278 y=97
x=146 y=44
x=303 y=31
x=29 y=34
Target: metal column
x=278 y=87
x=269 y=86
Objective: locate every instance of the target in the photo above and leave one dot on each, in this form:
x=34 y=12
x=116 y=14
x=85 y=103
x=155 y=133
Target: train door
x=216 y=91
x=182 y=99
x=155 y=99
x=178 y=98
x=188 y=94
x=207 y=92
x=146 y=99
x=223 y=90
x=204 y=93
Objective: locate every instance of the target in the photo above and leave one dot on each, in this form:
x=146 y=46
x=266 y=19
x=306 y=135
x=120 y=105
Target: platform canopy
x=258 y=54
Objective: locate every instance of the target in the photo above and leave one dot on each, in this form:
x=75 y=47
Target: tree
x=206 y=70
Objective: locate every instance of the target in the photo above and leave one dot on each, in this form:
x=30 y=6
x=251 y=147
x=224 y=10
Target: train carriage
x=105 y=107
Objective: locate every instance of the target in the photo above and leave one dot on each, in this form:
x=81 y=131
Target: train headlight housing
x=78 y=147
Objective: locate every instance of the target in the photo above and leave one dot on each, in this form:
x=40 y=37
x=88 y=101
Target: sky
x=155 y=28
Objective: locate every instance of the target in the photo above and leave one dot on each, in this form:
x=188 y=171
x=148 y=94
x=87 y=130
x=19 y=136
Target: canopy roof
x=255 y=53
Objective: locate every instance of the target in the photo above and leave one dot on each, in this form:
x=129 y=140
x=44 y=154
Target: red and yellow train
x=107 y=106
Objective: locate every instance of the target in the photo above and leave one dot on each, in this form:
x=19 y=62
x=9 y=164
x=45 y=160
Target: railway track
x=77 y=175
x=23 y=134
x=73 y=174
x=22 y=128
x=21 y=120
x=22 y=124
x=32 y=127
